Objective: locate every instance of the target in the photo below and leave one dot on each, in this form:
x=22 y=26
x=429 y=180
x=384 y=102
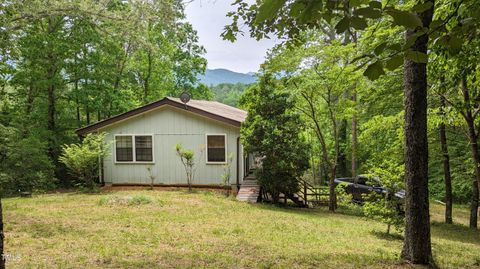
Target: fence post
x=305 y=192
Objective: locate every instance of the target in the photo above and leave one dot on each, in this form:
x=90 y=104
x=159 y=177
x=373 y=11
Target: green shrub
x=83 y=159
x=385 y=207
x=139 y=200
x=188 y=161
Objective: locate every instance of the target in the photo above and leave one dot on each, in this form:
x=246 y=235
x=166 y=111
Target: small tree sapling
x=151 y=176
x=227 y=173
x=187 y=158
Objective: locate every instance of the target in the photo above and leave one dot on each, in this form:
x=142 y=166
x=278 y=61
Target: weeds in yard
x=125 y=200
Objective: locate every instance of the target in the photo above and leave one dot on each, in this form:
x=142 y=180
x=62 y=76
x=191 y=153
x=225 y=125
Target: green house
x=143 y=143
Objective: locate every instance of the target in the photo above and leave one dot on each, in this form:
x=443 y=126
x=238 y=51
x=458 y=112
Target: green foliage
x=405 y=18
x=24 y=164
x=228 y=93
x=66 y=64
x=344 y=199
x=385 y=207
x=459 y=89
x=374 y=71
x=323 y=83
x=379 y=47
x=381 y=139
x=273 y=130
x=83 y=159
x=453 y=22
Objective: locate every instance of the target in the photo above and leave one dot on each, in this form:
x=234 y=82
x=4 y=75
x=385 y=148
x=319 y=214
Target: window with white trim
x=133 y=148
x=216 y=148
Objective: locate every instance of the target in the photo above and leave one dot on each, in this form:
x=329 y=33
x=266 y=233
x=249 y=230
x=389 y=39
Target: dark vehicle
x=361 y=185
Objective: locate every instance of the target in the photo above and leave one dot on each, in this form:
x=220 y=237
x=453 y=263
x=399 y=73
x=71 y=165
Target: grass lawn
x=165 y=229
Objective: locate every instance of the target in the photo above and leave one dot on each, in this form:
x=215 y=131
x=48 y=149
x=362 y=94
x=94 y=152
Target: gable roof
x=210 y=109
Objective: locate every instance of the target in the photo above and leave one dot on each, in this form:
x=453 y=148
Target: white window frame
x=133 y=149
x=206 y=148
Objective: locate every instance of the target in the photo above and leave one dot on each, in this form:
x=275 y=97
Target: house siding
x=170 y=126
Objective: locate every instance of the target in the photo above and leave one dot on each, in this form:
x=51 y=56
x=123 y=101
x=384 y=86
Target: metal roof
x=210 y=109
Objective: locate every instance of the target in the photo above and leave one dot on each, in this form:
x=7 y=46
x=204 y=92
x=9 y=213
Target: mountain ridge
x=213 y=77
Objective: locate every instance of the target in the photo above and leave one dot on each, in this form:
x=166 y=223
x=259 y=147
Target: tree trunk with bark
x=473 y=139
x=87 y=113
x=51 y=99
x=30 y=99
x=146 y=80
x=2 y=237
x=446 y=167
x=51 y=115
x=417 y=245
x=354 y=137
x=474 y=206
x=77 y=105
x=118 y=78
x=342 y=170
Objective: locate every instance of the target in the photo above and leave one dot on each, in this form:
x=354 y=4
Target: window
x=124 y=148
x=216 y=148
x=143 y=148
x=133 y=148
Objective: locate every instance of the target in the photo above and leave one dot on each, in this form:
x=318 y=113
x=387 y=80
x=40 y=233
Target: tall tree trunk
x=474 y=205
x=77 y=101
x=26 y=126
x=417 y=245
x=51 y=116
x=77 y=104
x=332 y=205
x=30 y=99
x=333 y=197
x=51 y=100
x=342 y=170
x=2 y=237
x=472 y=136
x=146 y=83
x=354 y=137
x=313 y=165
x=446 y=167
x=119 y=74
x=87 y=112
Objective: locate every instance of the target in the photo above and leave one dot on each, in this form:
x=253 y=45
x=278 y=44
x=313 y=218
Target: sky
x=208 y=17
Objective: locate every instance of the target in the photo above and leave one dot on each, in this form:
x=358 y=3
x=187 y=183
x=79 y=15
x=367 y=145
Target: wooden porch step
x=249 y=191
